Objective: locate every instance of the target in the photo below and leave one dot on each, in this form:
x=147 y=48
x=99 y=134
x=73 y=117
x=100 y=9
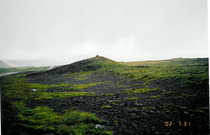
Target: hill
x=22 y=69
x=155 y=97
x=90 y=64
x=171 y=62
x=4 y=65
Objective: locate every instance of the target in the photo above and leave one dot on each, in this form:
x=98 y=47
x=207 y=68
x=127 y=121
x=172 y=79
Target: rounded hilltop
x=100 y=58
x=88 y=64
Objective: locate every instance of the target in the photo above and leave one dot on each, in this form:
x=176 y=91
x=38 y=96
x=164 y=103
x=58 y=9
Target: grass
x=16 y=88
x=165 y=106
x=115 y=121
x=48 y=95
x=186 y=95
x=110 y=94
x=175 y=111
x=133 y=98
x=80 y=74
x=167 y=93
x=108 y=64
x=141 y=90
x=76 y=122
x=70 y=86
x=204 y=108
x=200 y=111
x=106 y=107
x=145 y=108
x=154 y=89
x=133 y=114
x=186 y=70
x=112 y=102
x=43 y=118
x=81 y=79
x=155 y=96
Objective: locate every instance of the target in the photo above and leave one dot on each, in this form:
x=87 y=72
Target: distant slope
x=29 y=63
x=24 y=65
x=171 y=62
x=4 y=65
x=22 y=69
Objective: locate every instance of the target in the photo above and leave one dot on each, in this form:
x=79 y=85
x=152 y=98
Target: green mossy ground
x=43 y=118
x=69 y=86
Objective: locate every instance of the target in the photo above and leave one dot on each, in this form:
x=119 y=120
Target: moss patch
x=106 y=107
x=133 y=98
x=140 y=90
x=155 y=96
x=49 y=95
x=186 y=95
x=43 y=118
x=69 y=86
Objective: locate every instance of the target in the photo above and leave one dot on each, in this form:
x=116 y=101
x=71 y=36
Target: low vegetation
x=66 y=85
x=133 y=98
x=44 y=118
x=167 y=93
x=155 y=96
x=70 y=121
x=106 y=107
x=187 y=70
x=22 y=69
x=112 y=102
x=145 y=108
x=140 y=90
x=186 y=95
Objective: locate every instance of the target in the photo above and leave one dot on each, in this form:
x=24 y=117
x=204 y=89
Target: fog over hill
x=51 y=62
x=4 y=65
x=136 y=30
x=23 y=63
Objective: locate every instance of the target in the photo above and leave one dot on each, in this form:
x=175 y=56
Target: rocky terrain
x=160 y=107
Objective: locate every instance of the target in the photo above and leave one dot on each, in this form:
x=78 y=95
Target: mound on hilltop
x=82 y=65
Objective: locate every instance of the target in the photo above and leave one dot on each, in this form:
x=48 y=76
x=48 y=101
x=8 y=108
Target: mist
x=61 y=32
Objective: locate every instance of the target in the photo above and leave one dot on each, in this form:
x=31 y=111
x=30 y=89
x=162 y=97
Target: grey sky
x=122 y=30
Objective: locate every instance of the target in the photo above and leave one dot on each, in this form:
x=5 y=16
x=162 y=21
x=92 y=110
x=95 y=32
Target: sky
x=65 y=31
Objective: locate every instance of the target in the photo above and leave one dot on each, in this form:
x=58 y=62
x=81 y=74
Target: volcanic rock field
x=158 y=108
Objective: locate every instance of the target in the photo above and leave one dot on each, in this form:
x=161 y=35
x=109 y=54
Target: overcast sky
x=122 y=30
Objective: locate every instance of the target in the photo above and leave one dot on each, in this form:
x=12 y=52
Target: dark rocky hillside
x=83 y=65
x=129 y=105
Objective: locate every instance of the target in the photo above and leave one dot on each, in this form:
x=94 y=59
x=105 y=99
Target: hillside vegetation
x=102 y=96
x=22 y=69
